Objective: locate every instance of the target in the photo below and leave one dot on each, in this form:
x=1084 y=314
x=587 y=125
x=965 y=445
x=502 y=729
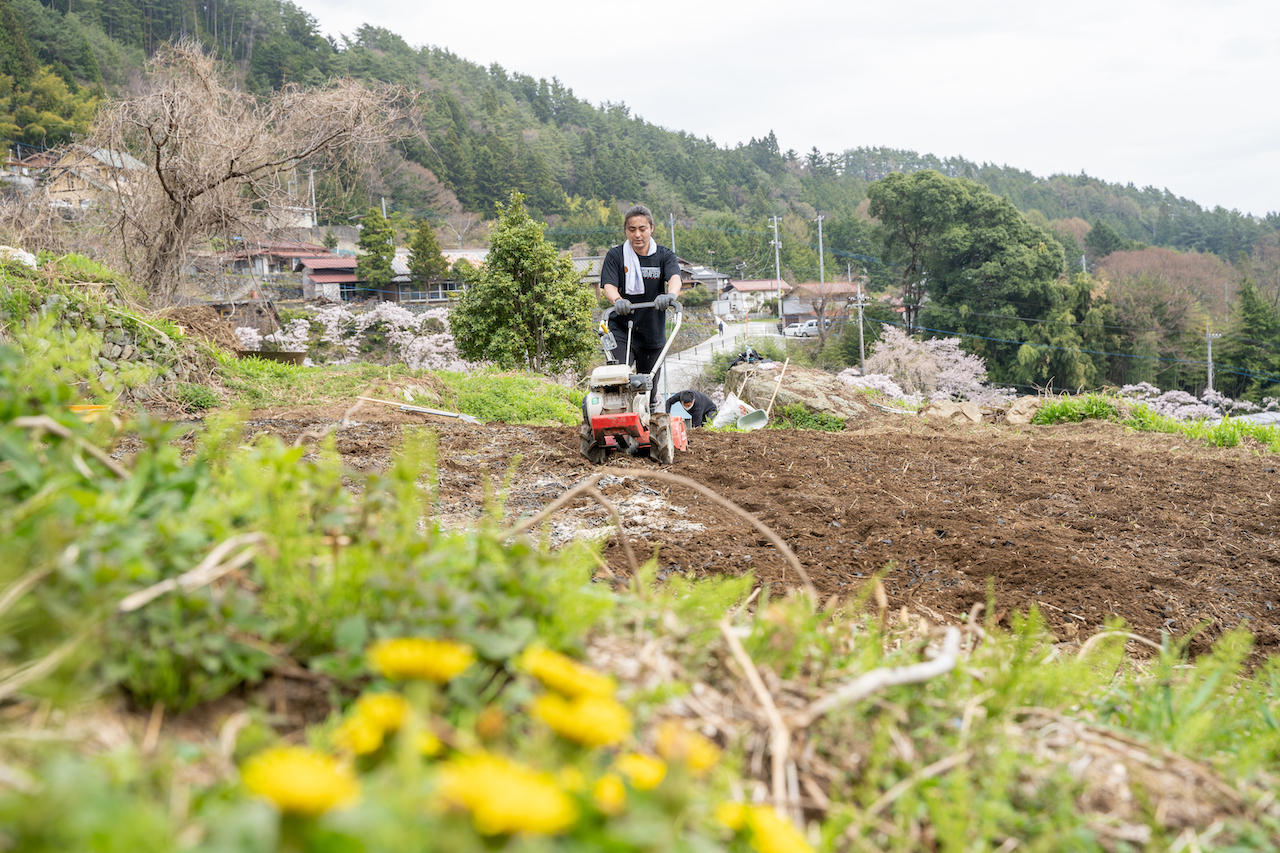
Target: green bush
x=1076 y=409
x=799 y=416
x=513 y=398
x=197 y=397
x=718 y=368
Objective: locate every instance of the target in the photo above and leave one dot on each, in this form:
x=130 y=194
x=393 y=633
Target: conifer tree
x=377 y=248
x=1249 y=367
x=16 y=58
x=527 y=307
x=426 y=261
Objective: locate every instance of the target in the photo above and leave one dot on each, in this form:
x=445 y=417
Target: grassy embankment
x=870 y=730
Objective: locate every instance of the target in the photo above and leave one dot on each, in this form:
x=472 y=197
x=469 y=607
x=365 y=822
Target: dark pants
x=643 y=358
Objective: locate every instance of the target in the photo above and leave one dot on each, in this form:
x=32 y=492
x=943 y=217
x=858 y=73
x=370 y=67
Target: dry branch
x=775 y=539
x=206 y=572
x=779 y=734
x=878 y=679
x=217 y=161
x=48 y=424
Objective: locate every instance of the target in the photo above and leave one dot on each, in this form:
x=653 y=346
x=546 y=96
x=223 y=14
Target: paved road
x=682 y=367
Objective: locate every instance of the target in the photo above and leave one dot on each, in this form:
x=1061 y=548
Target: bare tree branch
x=218 y=160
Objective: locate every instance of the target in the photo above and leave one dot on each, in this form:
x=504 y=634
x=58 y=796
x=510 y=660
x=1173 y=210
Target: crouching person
x=700 y=407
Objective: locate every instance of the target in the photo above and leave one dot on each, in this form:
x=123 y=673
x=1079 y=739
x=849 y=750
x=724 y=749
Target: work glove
x=621 y=307
x=664 y=301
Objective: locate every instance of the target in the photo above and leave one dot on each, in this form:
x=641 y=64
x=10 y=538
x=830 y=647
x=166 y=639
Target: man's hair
x=687 y=399
x=639 y=210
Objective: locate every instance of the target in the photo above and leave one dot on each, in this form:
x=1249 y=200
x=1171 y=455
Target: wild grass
x=515 y=398
x=1226 y=433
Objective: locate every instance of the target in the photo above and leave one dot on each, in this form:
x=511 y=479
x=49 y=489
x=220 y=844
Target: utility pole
x=1208 y=339
x=673 y=231
x=822 y=269
x=777 y=264
x=384 y=207
x=862 y=352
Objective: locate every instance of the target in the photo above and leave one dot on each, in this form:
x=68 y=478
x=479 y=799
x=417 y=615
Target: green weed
x=1076 y=409
x=197 y=397
x=799 y=416
x=514 y=398
x=718 y=368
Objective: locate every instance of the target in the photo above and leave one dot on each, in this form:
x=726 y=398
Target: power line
x=1217 y=367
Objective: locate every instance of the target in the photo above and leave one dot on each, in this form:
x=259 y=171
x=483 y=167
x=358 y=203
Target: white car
x=807 y=329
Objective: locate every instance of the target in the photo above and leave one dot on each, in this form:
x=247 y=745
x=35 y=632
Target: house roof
x=830 y=288
x=333 y=277
x=114 y=159
x=325 y=262
x=284 y=249
x=756 y=285
x=475 y=256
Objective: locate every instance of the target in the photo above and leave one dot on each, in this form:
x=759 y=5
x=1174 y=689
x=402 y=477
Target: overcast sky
x=1177 y=94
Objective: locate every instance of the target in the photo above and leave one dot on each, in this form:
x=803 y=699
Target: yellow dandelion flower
x=588 y=720
x=609 y=795
x=731 y=815
x=771 y=833
x=428 y=744
x=571 y=778
x=504 y=797
x=644 y=771
x=358 y=735
x=415 y=657
x=675 y=743
x=386 y=711
x=300 y=780
x=564 y=675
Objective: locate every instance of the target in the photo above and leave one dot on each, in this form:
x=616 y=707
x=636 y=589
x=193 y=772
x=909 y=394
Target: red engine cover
x=679 y=437
x=625 y=423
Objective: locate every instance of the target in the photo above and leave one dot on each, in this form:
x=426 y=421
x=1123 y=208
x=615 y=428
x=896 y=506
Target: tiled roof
x=333 y=277
x=758 y=285
x=327 y=262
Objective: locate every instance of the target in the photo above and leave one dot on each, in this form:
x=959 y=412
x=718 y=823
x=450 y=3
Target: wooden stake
x=776 y=385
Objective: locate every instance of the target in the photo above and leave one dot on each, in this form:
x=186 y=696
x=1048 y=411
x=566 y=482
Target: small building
x=588 y=267
x=81 y=174
x=327 y=277
x=266 y=257
x=406 y=290
x=714 y=280
x=747 y=297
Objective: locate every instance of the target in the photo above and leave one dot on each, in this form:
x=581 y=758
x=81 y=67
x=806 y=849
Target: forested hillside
x=488 y=131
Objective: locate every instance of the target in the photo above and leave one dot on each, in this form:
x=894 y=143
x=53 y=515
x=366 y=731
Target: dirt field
x=1086 y=521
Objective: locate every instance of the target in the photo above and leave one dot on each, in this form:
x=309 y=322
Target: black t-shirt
x=650 y=329
x=703 y=407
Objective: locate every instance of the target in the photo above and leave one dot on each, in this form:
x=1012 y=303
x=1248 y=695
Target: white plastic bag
x=730 y=411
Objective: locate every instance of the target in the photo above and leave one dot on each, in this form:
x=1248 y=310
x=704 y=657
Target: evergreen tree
x=527 y=307
x=1102 y=240
x=985 y=270
x=1249 y=364
x=16 y=58
x=377 y=248
x=426 y=262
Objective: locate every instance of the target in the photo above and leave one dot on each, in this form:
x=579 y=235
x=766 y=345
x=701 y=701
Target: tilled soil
x=1087 y=521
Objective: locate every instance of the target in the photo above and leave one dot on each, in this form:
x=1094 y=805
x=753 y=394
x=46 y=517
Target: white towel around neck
x=631 y=263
